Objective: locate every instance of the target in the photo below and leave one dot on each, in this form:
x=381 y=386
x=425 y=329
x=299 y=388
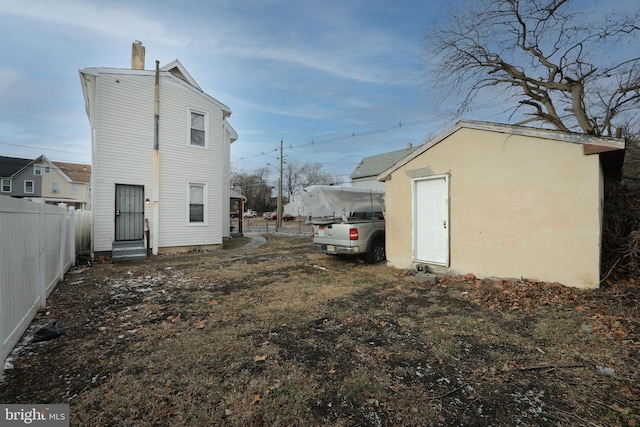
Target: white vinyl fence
x=38 y=245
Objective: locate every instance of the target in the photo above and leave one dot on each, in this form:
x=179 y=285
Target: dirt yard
x=281 y=335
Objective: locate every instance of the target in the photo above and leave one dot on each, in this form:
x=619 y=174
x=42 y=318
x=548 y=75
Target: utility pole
x=280 y=188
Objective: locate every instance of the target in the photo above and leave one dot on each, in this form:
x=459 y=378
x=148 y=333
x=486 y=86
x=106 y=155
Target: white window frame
x=55 y=187
x=204 y=187
x=47 y=169
x=2 y=184
x=205 y=130
x=33 y=187
x=37 y=169
x=74 y=188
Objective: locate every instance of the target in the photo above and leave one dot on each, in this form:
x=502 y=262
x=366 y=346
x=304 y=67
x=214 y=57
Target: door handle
x=117 y=212
x=444 y=223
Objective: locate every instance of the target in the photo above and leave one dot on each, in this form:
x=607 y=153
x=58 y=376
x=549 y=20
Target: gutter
x=156 y=162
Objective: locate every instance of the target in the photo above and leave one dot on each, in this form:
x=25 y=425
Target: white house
x=160 y=154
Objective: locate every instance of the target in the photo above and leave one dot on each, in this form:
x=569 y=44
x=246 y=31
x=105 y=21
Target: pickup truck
x=359 y=228
x=359 y=236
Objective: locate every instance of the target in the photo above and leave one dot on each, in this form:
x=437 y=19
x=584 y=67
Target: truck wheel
x=376 y=253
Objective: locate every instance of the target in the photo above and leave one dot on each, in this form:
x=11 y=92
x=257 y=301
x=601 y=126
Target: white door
x=431 y=220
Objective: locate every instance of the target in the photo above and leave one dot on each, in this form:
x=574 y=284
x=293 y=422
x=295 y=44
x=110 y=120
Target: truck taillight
x=353 y=234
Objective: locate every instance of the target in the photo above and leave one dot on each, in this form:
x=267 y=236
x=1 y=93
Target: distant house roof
x=236 y=195
x=75 y=171
x=372 y=166
x=11 y=165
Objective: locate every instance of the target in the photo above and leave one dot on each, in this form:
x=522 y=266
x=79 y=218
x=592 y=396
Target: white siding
x=124 y=145
x=181 y=163
x=123 y=118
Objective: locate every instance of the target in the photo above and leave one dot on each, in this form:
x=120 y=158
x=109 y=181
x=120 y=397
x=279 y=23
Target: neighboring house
x=366 y=173
x=9 y=185
x=53 y=182
x=295 y=206
x=75 y=189
x=502 y=201
x=160 y=155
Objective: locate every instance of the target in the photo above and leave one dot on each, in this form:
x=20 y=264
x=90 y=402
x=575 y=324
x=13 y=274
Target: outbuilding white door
x=431 y=220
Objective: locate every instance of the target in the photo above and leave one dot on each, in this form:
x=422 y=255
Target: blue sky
x=336 y=80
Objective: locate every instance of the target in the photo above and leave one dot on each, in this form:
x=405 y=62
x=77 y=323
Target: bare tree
x=254 y=187
x=545 y=54
x=313 y=173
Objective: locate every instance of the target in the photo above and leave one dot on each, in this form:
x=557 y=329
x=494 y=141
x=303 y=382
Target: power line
x=43 y=149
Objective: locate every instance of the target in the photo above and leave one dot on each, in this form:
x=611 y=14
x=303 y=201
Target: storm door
x=129 y=215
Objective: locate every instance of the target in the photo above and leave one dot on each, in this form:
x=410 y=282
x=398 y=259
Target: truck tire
x=376 y=252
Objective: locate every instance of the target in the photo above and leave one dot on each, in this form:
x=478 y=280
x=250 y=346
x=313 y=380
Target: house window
x=47 y=169
x=198 y=135
x=197 y=203
x=37 y=169
x=55 y=187
x=6 y=185
x=28 y=187
x=74 y=188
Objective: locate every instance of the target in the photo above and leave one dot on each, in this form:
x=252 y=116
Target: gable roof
x=372 y=166
x=178 y=70
x=590 y=144
x=174 y=69
x=10 y=165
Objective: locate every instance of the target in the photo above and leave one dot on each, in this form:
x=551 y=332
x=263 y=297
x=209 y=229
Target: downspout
x=156 y=162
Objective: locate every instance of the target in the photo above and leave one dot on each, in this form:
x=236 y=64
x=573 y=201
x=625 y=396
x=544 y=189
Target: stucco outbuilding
x=501 y=201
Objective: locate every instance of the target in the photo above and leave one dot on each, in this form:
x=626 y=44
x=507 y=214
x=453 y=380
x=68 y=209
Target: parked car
x=234 y=214
x=250 y=214
x=274 y=216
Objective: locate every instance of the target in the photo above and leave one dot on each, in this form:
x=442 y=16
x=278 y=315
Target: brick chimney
x=137 y=55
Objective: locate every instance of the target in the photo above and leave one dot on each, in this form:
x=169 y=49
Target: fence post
x=42 y=246
x=63 y=243
x=71 y=235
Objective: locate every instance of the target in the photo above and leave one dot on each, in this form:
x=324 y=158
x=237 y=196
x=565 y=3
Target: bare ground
x=281 y=335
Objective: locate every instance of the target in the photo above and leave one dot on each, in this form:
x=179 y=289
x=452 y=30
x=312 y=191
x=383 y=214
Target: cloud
x=111 y=20
x=9 y=77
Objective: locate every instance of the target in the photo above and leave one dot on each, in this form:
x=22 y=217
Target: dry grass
x=282 y=335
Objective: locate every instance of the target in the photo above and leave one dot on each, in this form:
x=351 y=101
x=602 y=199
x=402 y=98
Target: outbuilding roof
x=612 y=149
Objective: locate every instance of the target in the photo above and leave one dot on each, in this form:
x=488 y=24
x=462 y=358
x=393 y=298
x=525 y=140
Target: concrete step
x=131 y=250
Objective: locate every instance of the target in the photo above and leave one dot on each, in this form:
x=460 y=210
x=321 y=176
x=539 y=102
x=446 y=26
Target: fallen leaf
x=213 y=302
x=260 y=358
x=399 y=288
x=201 y=324
x=175 y=319
x=257 y=399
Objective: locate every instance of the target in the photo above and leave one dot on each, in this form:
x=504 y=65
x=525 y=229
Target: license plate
x=331 y=248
